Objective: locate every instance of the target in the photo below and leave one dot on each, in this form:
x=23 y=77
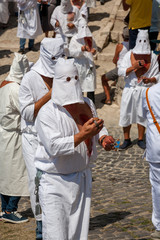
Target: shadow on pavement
x=4 y=69
x=98 y=16
x=105 y=219
x=5 y=53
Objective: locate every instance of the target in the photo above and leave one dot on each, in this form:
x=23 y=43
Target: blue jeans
x=23 y=42
x=9 y=203
x=133 y=36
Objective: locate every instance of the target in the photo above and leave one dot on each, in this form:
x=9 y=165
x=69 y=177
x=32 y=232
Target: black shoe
x=32 y=49
x=102 y=2
x=21 y=50
x=141 y=144
x=126 y=144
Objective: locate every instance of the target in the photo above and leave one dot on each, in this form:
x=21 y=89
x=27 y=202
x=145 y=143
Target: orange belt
x=152 y=114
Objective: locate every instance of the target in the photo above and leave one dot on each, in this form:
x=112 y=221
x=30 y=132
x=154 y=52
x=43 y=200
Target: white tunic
x=131 y=104
x=152 y=134
x=32 y=89
x=85 y=64
x=63 y=30
x=13 y=174
x=56 y=152
x=4 y=13
x=29 y=25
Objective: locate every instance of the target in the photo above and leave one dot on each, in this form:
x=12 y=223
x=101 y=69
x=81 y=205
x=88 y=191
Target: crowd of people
x=49 y=130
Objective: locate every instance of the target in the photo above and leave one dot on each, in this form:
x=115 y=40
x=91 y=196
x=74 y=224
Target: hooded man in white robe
x=140 y=70
x=29 y=25
x=68 y=130
x=64 y=20
x=35 y=91
x=13 y=173
x=153 y=152
x=82 y=47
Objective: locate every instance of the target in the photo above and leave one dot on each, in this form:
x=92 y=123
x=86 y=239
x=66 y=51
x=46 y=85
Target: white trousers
x=29 y=146
x=65 y=201
x=155 y=183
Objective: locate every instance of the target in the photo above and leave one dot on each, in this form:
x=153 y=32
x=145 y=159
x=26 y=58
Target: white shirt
x=62 y=18
x=56 y=152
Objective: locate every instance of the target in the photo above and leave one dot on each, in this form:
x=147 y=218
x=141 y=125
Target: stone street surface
x=121 y=197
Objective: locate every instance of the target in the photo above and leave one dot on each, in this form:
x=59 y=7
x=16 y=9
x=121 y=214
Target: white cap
x=66 y=6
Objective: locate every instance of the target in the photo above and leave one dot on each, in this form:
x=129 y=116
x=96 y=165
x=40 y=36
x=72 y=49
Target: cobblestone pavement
x=121 y=199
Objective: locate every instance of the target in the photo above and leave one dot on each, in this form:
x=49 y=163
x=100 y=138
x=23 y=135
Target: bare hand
x=146 y=80
x=57 y=23
x=138 y=64
x=83 y=48
x=93 y=51
x=70 y=25
x=91 y=128
x=108 y=143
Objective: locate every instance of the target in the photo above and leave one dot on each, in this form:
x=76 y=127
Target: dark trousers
x=91 y=96
x=9 y=203
x=133 y=36
x=153 y=36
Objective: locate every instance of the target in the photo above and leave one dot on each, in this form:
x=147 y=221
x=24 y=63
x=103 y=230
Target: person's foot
x=14 y=217
x=1 y=215
x=126 y=144
x=107 y=102
x=32 y=49
x=155 y=235
x=21 y=50
x=141 y=144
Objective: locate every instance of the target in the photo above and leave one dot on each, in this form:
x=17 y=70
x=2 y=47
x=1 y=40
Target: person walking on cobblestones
x=140 y=69
x=35 y=91
x=68 y=129
x=153 y=151
x=13 y=173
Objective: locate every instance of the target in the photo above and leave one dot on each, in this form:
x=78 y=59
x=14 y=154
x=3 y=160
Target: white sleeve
x=75 y=48
x=51 y=136
x=26 y=101
x=124 y=65
x=54 y=17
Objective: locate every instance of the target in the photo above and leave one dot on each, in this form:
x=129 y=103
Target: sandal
x=107 y=102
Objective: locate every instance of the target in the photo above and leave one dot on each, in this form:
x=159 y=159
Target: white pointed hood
x=142 y=43
x=66 y=86
x=83 y=29
x=19 y=67
x=66 y=6
x=50 y=48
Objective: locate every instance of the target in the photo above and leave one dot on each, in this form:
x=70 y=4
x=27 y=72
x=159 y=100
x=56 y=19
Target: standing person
x=29 y=26
x=139 y=17
x=140 y=70
x=65 y=20
x=4 y=13
x=121 y=50
x=35 y=91
x=82 y=47
x=155 y=23
x=153 y=152
x=13 y=173
x=82 y=6
x=68 y=130
x=46 y=9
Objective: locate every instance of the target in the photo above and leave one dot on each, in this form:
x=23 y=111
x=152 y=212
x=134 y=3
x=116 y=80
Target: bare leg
x=106 y=87
x=126 y=131
x=46 y=34
x=141 y=131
